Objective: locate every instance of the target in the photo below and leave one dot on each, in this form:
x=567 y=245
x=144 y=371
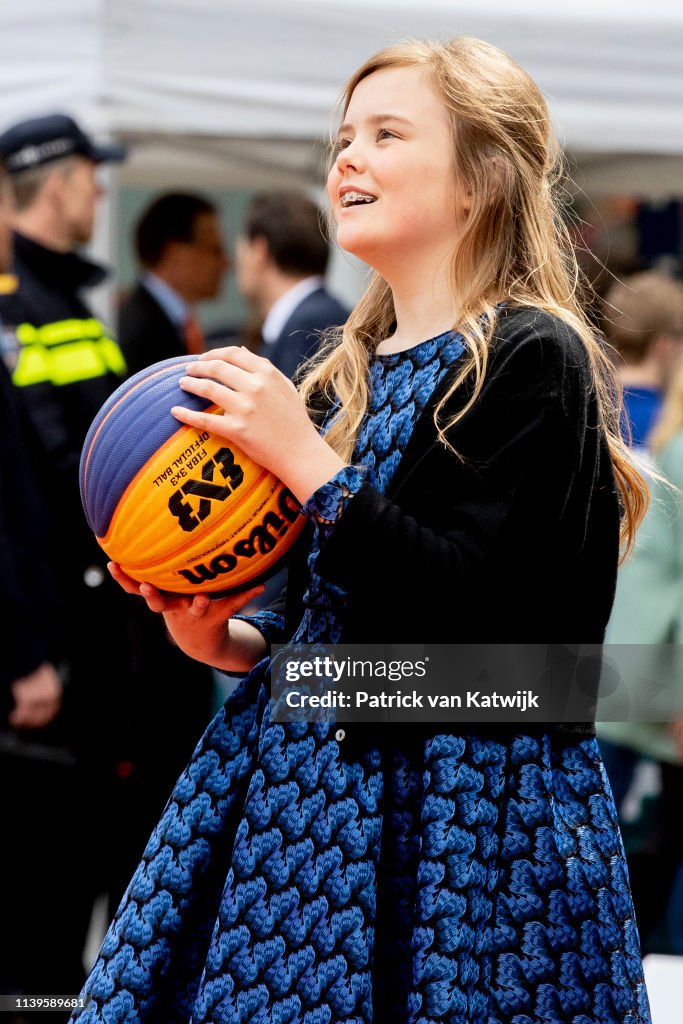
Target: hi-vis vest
x=65 y=352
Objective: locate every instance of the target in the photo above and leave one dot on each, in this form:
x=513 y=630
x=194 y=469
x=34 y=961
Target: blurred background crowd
x=133 y=230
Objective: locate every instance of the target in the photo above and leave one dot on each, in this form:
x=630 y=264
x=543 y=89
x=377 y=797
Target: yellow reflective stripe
x=78 y=361
x=60 y=331
x=69 y=330
x=112 y=355
x=64 y=365
x=31 y=367
x=65 y=352
x=27 y=334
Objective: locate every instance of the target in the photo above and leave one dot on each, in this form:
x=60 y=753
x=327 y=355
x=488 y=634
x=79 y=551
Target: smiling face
x=392 y=186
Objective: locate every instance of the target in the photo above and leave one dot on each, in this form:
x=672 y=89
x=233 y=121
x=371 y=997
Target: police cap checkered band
x=41 y=140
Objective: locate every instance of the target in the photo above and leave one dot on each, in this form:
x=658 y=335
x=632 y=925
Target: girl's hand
x=200 y=624
x=262 y=414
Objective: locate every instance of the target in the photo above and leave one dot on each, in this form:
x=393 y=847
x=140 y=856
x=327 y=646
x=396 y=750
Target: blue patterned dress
x=461 y=880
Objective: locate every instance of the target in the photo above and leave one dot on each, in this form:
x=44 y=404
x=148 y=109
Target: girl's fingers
x=237 y=601
x=225 y=606
x=215 y=422
x=196 y=606
x=237 y=355
x=226 y=373
x=131 y=586
x=199 y=606
x=216 y=391
x=215 y=353
x=157 y=602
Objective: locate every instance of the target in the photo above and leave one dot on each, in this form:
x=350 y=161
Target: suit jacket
x=145 y=333
x=301 y=334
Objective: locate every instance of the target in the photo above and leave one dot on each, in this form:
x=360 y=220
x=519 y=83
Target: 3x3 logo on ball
x=206 y=490
x=262 y=537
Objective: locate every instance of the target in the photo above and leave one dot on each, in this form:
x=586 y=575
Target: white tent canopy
x=243 y=88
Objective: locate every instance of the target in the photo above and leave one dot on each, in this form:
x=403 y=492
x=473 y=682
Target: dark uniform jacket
x=145 y=333
x=64 y=364
x=134 y=705
x=27 y=594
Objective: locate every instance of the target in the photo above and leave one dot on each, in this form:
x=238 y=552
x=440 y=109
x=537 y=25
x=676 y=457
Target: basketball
x=176 y=506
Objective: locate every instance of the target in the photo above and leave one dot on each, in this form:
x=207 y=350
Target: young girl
x=467 y=485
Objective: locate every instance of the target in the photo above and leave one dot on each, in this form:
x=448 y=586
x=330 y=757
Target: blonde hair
x=514 y=244
x=28 y=184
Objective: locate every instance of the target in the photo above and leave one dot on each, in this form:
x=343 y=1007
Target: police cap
x=33 y=143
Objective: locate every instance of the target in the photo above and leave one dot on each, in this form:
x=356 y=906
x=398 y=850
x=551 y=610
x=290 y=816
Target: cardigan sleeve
x=270 y=623
x=519 y=454
x=326 y=505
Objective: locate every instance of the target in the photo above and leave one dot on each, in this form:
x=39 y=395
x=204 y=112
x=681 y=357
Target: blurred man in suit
x=281 y=261
x=183 y=258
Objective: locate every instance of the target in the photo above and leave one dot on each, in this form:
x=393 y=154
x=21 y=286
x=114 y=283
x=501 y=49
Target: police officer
x=61 y=357
x=30 y=686
x=63 y=364
x=127 y=690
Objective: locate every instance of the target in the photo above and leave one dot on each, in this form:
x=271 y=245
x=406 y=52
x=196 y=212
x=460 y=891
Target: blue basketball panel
x=131 y=432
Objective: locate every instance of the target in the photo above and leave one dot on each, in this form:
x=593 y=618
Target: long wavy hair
x=514 y=245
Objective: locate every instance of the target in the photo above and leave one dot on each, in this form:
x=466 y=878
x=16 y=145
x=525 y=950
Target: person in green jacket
x=643 y=752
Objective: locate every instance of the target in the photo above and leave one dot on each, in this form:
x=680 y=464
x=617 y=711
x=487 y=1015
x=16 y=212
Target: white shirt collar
x=281 y=310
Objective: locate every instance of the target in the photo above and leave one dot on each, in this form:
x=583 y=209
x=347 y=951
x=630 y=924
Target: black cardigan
x=516 y=540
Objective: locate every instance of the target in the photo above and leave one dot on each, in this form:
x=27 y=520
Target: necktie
x=194 y=336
